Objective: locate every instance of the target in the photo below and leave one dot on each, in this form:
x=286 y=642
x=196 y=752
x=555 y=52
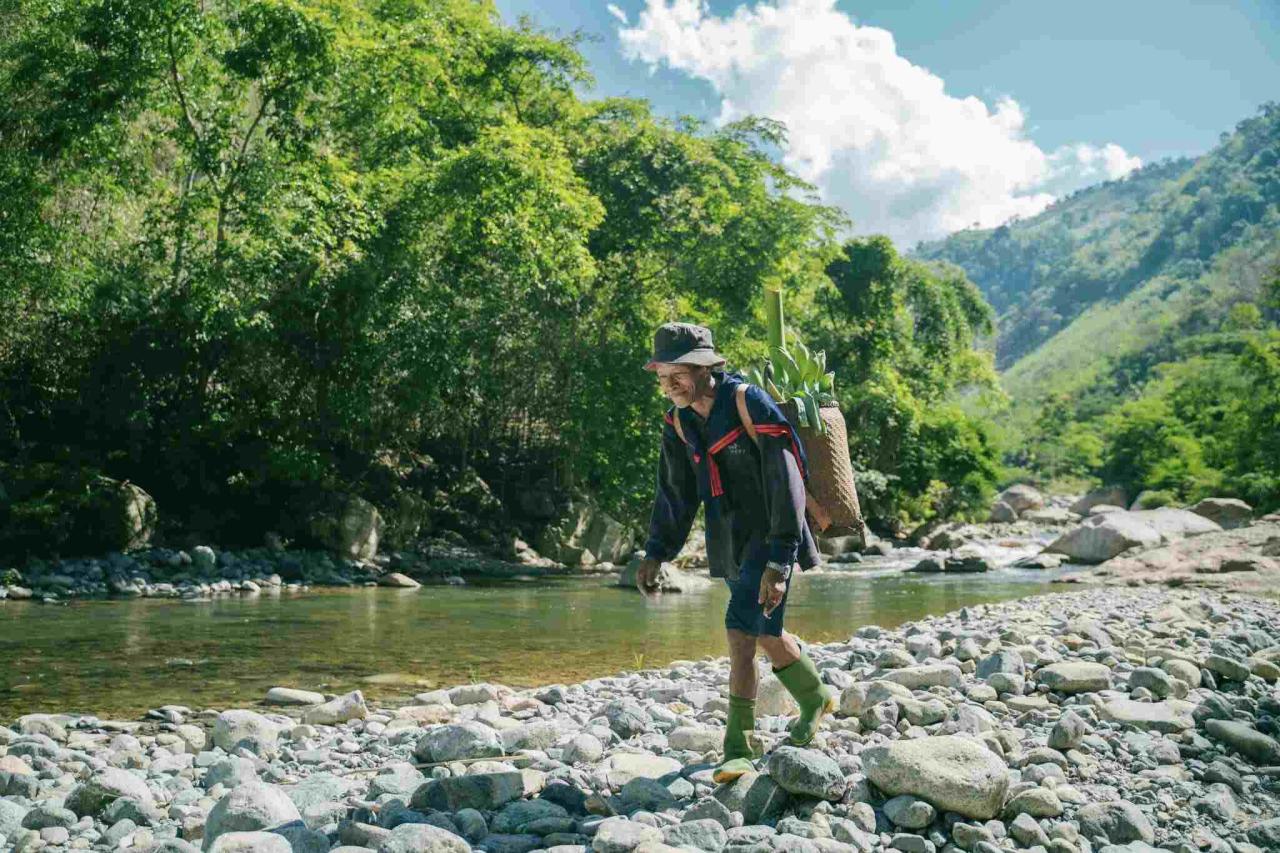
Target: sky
x=922 y=118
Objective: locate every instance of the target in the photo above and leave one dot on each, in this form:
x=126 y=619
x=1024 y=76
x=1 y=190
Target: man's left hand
x=772 y=587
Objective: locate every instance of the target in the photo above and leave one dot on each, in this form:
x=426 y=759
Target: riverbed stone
x=1158 y=682
x=704 y=834
x=458 y=741
x=292 y=696
x=247 y=808
x=422 y=838
x=341 y=709
x=1168 y=717
x=909 y=812
x=105 y=787
x=480 y=791
x=1036 y=802
x=620 y=835
x=1244 y=739
x=926 y=676
x=1072 y=677
x=806 y=772
x=250 y=842
x=1118 y=822
x=239 y=728
x=948 y=771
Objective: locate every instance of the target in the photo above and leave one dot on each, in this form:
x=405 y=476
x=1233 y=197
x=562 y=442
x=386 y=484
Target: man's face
x=682 y=384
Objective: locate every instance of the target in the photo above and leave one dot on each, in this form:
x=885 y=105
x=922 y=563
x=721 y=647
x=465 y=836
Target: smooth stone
x=949 y=772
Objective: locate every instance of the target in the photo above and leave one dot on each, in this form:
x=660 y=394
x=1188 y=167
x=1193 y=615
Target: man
x=754 y=497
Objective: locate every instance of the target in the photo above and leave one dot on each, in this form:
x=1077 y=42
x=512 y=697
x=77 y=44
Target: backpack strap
x=740 y=394
x=673 y=418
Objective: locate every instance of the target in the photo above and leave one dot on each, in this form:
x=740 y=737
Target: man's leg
x=743 y=681
x=798 y=674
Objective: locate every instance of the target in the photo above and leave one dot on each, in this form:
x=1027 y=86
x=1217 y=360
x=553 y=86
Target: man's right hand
x=647 y=576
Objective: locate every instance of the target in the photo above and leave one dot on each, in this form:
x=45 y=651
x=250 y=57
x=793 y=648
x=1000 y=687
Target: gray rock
x=349 y=706
x=249 y=842
x=908 y=812
x=400 y=779
x=1003 y=660
x=104 y=788
x=1227 y=513
x=1068 y=731
x=318 y=788
x=950 y=772
x=709 y=808
x=757 y=797
x=230 y=772
x=11 y=817
x=518 y=817
x=250 y=807
x=706 y=834
x=1037 y=802
x=1075 y=677
x=422 y=838
x=1244 y=739
x=458 y=741
x=806 y=772
x=1266 y=834
x=619 y=835
x=1118 y=822
x=239 y=728
x=1159 y=682
x=481 y=791
x=1168 y=717
x=627 y=718
x=1228 y=668
x=648 y=794
x=924 y=677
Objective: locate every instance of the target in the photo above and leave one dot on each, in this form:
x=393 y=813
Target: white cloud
x=880 y=136
x=617 y=13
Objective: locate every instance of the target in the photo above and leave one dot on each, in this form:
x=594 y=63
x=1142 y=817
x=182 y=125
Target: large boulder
x=949 y=772
x=1108 y=495
x=104 y=788
x=349 y=526
x=585 y=536
x=250 y=807
x=121 y=514
x=1100 y=537
x=1021 y=498
x=1227 y=513
x=248 y=729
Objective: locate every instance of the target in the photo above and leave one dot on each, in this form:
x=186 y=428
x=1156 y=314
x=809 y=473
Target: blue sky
x=880 y=95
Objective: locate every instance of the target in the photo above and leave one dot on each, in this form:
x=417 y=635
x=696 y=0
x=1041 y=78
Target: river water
x=123 y=657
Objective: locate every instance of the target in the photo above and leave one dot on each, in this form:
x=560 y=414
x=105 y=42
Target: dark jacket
x=754 y=495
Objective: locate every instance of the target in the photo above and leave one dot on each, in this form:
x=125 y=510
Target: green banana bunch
x=801 y=377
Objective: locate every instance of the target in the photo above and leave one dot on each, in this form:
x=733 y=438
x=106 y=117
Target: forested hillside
x=1136 y=322
x=256 y=253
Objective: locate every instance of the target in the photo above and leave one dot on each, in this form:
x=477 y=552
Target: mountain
x=1117 y=269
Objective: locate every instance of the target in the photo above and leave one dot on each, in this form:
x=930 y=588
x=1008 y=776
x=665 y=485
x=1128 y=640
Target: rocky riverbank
x=202 y=572
x=1098 y=720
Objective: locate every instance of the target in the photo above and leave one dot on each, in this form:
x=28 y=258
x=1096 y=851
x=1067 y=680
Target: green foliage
x=904 y=333
x=248 y=249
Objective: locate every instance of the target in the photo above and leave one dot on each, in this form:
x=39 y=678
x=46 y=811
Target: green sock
x=814 y=698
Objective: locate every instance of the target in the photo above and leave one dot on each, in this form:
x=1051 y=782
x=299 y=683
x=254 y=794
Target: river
x=122 y=657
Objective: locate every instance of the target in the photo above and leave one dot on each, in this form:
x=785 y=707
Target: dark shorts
x=745 y=612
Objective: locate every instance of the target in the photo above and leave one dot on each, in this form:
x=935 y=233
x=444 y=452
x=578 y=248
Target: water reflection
x=123 y=657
